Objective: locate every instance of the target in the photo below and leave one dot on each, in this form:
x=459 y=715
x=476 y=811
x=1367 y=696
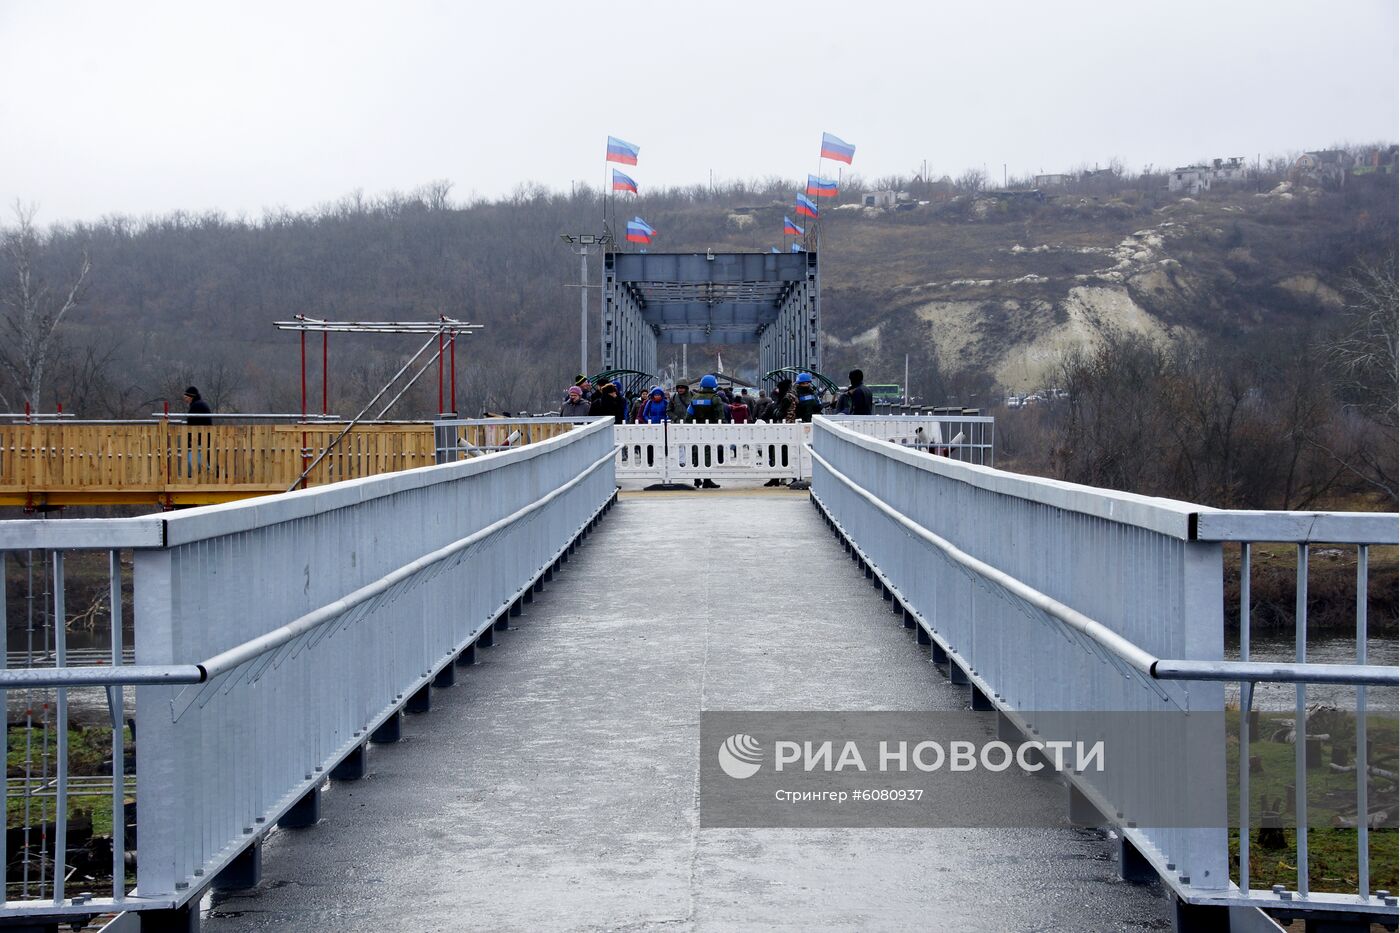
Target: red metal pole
x=27 y=419
x=325 y=372
x=454 y=372
x=439 y=370
x=303 y=375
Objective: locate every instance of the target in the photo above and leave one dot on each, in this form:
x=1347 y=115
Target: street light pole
x=580 y=243
x=583 y=310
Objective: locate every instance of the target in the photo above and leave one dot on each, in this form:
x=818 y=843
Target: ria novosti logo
x=740 y=756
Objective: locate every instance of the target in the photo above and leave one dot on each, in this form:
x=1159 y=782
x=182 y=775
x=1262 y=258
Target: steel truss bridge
x=771 y=299
x=279 y=643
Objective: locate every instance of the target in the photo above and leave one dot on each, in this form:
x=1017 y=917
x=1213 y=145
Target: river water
x=1328 y=649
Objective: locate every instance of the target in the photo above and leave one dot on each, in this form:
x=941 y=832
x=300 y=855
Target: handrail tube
x=1134 y=656
x=1144 y=661
x=270 y=641
x=1370 y=675
x=233 y=657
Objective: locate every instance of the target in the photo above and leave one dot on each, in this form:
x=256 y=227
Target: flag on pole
x=806 y=207
x=621 y=182
x=798 y=248
x=790 y=228
x=836 y=149
x=820 y=187
x=774 y=249
x=639 y=231
x=621 y=151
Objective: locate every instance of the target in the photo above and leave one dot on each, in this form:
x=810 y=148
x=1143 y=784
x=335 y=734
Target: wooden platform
x=168 y=464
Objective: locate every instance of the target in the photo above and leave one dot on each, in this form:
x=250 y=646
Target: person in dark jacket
x=858 y=399
x=784 y=407
x=197 y=407
x=197 y=441
x=608 y=403
x=809 y=399
x=680 y=401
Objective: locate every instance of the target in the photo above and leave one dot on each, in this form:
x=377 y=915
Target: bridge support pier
x=178 y=920
x=909 y=619
x=981 y=703
x=487 y=638
x=956 y=675
x=305 y=812
x=1006 y=730
x=517 y=608
x=245 y=871
x=1208 y=918
x=390 y=731
x=539 y=582
x=1132 y=865
x=939 y=655
x=922 y=634
x=468 y=656
x=526 y=598
x=1081 y=811
x=421 y=701
x=352 y=767
x=446 y=677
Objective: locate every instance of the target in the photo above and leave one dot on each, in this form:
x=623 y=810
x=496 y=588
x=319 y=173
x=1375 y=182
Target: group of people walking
x=710 y=403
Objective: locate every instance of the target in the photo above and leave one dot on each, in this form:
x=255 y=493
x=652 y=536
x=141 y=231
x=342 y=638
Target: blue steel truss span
x=771 y=299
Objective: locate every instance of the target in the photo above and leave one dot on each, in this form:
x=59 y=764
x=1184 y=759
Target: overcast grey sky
x=138 y=107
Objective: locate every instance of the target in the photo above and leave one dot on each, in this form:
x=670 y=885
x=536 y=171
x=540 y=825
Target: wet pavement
x=555 y=786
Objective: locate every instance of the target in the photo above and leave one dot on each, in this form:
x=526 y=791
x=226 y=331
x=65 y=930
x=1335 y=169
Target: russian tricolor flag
x=621 y=151
x=820 y=187
x=639 y=231
x=790 y=228
x=837 y=150
x=806 y=207
x=622 y=183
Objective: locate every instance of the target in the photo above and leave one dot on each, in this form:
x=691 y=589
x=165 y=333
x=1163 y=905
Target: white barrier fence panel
x=682 y=453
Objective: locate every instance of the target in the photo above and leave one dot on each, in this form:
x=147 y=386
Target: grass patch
x=1332 y=850
x=89 y=748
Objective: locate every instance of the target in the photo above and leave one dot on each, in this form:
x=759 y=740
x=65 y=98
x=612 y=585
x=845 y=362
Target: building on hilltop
x=1193 y=179
x=1053 y=180
x=1374 y=160
x=1326 y=168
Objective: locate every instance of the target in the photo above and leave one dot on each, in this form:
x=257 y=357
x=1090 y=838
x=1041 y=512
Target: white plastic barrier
x=682 y=453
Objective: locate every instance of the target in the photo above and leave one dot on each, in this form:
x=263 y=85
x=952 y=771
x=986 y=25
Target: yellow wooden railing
x=166 y=463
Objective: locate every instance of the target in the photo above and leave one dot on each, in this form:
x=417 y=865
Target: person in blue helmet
x=654 y=408
x=706 y=407
x=809 y=399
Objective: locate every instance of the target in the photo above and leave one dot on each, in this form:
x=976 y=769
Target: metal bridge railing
x=1047 y=596
x=272 y=639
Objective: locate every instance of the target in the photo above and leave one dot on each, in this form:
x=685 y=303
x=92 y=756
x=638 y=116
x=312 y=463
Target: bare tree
x=1363 y=355
x=971 y=181
x=32 y=312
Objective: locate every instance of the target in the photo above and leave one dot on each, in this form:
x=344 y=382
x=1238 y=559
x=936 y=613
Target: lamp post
x=581 y=243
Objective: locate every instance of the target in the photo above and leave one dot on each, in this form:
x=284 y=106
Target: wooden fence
x=174 y=464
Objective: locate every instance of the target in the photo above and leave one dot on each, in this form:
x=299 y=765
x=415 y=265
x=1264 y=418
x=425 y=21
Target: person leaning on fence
x=575 y=406
x=857 y=399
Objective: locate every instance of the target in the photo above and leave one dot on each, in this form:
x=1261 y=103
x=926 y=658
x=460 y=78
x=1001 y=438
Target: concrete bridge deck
x=555 y=786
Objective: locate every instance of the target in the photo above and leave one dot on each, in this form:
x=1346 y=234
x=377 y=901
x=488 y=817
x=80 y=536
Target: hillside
x=983 y=293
